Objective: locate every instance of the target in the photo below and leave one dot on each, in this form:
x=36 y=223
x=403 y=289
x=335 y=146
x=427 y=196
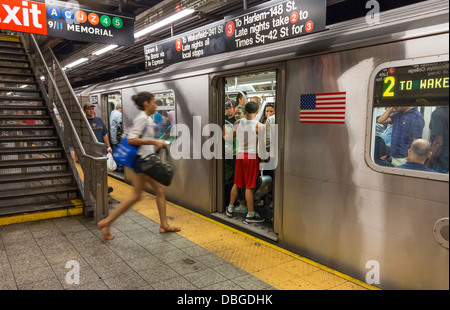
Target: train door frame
x=217 y=105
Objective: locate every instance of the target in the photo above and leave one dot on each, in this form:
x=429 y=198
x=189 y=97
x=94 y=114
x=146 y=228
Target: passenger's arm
x=385 y=117
x=436 y=150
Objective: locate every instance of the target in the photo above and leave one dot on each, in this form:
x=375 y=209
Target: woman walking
x=141 y=134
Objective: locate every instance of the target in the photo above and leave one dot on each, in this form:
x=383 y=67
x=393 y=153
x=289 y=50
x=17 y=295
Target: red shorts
x=246 y=170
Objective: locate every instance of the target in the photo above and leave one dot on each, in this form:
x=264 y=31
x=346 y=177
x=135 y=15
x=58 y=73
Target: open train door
x=230 y=93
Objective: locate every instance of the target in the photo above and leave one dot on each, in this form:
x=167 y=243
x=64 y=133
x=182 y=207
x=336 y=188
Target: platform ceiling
x=125 y=61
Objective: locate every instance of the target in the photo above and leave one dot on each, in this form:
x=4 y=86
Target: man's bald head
x=419 y=151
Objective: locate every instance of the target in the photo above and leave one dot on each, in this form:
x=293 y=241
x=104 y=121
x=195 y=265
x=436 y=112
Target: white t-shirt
x=140 y=122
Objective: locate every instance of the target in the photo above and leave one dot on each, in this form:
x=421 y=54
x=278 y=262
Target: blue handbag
x=125 y=153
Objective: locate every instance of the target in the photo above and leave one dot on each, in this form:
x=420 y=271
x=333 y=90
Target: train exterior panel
x=336 y=208
x=332 y=203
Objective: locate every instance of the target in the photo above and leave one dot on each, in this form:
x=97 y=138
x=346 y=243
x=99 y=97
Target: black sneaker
x=254 y=219
x=229 y=212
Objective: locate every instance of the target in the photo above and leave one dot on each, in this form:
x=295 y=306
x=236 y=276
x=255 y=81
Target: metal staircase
x=35 y=174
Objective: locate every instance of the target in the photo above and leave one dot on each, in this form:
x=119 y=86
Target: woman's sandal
x=163 y=230
x=105 y=231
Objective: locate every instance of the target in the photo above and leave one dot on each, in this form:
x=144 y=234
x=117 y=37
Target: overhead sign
x=267 y=23
x=402 y=86
x=23 y=16
x=67 y=20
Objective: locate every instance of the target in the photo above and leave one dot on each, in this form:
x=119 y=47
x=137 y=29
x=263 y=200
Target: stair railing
x=72 y=126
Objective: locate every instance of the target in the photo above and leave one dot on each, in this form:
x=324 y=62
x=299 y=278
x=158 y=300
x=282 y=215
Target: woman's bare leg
x=105 y=224
x=162 y=208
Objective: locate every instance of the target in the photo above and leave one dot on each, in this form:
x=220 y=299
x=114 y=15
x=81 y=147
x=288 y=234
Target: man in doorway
x=98 y=128
x=247 y=161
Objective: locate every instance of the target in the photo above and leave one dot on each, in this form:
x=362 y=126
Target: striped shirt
x=406 y=127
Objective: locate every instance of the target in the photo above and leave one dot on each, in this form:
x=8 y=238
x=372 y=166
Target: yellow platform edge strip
x=277 y=248
x=77 y=209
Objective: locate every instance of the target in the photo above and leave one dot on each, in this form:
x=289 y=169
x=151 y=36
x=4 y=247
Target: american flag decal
x=328 y=108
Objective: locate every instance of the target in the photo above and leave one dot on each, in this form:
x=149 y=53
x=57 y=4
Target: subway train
x=329 y=198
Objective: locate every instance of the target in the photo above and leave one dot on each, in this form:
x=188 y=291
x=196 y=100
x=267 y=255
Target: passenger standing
x=229 y=113
x=240 y=101
x=100 y=131
x=98 y=128
x=408 y=125
x=115 y=123
x=247 y=161
x=439 y=140
x=269 y=110
x=142 y=134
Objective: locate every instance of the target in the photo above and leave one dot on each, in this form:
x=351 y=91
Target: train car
x=331 y=199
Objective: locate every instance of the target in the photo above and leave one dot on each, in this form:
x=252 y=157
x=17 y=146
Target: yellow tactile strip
x=278 y=267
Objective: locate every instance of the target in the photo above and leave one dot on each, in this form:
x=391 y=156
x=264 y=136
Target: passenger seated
x=418 y=153
x=381 y=153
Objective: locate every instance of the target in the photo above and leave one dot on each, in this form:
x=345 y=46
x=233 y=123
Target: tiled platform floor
x=35 y=256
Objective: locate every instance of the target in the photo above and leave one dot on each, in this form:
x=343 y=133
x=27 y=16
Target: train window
x=410 y=119
x=165 y=116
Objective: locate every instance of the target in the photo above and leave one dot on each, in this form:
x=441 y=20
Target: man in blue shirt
x=407 y=126
x=99 y=129
x=418 y=153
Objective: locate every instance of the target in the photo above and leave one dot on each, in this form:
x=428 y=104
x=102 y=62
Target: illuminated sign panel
x=267 y=23
x=76 y=22
x=23 y=16
x=401 y=86
x=67 y=20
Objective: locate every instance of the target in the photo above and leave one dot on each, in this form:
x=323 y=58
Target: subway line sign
x=67 y=20
x=269 y=22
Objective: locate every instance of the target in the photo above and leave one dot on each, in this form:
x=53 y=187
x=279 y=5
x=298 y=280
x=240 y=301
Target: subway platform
x=205 y=255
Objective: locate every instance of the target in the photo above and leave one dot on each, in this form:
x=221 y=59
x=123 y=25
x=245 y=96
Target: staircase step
x=25 y=127
x=50 y=205
x=13 y=55
x=26 y=196
x=23 y=107
x=11 y=44
x=18 y=82
x=19 y=90
x=26 y=177
x=24 y=117
x=3 y=58
x=11 y=164
x=7 y=73
x=27 y=139
x=19 y=98
x=38 y=191
x=30 y=150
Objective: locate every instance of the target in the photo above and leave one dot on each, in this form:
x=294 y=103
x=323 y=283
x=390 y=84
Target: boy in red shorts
x=247 y=161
